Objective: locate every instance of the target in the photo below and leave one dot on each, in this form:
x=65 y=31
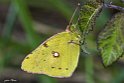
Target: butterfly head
x=71 y=28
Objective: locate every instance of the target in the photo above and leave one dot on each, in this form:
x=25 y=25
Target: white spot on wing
x=55 y=54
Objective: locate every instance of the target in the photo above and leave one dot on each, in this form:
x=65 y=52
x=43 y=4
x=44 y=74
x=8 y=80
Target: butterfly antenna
x=72 y=17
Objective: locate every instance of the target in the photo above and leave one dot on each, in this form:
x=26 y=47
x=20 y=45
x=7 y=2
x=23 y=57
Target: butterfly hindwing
x=56 y=57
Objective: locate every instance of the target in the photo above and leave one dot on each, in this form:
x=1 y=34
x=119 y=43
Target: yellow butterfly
x=56 y=57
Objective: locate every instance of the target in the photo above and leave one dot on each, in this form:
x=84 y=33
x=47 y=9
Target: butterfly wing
x=56 y=57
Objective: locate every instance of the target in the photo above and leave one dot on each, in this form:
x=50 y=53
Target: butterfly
x=56 y=57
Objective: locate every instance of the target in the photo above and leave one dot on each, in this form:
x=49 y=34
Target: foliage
x=111 y=41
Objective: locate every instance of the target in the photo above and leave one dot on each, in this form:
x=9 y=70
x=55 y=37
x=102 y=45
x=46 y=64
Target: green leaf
x=111 y=40
x=88 y=14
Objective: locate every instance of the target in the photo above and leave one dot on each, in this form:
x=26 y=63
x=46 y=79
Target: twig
x=114 y=7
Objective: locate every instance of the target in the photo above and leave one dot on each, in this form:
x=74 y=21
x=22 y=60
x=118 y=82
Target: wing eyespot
x=55 y=54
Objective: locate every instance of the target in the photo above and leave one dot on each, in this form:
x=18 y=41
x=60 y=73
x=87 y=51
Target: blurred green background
x=24 y=24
